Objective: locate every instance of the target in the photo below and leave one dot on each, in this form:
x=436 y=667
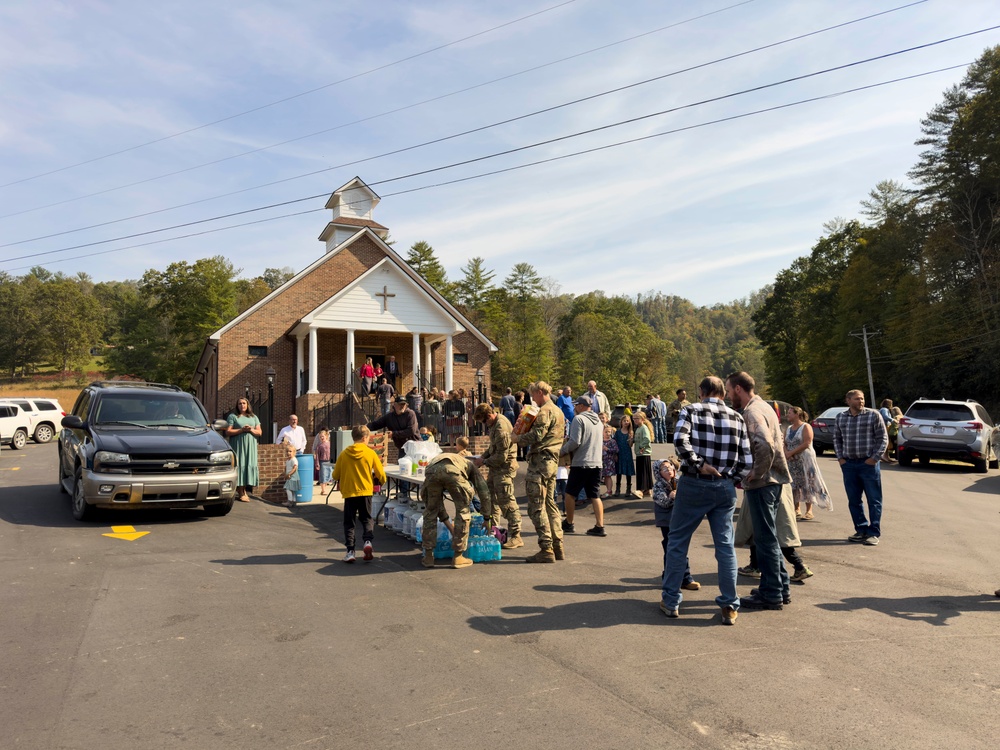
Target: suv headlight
x=222 y=457
x=111 y=463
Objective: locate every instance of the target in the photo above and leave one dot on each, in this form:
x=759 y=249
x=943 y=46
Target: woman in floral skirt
x=808 y=487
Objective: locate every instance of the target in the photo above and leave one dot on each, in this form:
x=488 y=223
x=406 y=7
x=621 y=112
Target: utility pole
x=864 y=335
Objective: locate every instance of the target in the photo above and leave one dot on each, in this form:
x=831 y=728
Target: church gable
x=386 y=299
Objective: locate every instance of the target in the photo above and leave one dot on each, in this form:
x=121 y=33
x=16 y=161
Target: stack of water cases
x=483 y=544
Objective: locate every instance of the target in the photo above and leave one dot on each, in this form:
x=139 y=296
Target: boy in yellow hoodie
x=356 y=467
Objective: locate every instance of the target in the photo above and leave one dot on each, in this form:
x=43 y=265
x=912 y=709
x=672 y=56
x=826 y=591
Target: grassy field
x=65 y=391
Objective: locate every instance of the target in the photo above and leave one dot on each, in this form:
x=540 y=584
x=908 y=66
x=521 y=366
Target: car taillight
x=903 y=421
x=817 y=423
x=976 y=426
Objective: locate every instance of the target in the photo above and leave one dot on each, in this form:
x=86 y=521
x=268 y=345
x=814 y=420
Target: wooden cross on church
x=384 y=294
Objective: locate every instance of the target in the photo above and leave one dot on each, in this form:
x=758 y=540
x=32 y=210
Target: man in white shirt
x=599 y=402
x=294 y=434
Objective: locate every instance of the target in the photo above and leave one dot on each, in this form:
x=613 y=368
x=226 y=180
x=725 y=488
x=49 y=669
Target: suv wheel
x=19 y=440
x=905 y=459
x=981 y=465
x=81 y=511
x=219 y=509
x=43 y=433
x=819 y=449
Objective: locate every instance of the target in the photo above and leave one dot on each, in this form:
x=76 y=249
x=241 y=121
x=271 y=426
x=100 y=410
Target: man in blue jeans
x=763 y=490
x=711 y=440
x=859 y=440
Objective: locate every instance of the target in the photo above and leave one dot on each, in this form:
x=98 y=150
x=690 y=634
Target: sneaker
x=691 y=586
x=749 y=572
x=349 y=557
x=568 y=528
x=542 y=556
x=801 y=575
x=871 y=541
x=729 y=616
x=671 y=613
x=597 y=531
x=755 y=602
x=288 y=503
x=785 y=598
x=368 y=551
x=857 y=538
x=513 y=542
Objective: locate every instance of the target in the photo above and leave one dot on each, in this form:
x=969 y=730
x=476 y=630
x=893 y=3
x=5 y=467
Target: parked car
x=958 y=430
x=14 y=426
x=45 y=415
x=823 y=429
x=134 y=445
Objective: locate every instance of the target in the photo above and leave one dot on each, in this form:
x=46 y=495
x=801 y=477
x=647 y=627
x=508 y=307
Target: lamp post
x=270 y=400
x=246 y=391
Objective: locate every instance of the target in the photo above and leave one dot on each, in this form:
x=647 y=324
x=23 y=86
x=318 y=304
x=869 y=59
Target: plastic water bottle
x=418 y=533
x=496 y=549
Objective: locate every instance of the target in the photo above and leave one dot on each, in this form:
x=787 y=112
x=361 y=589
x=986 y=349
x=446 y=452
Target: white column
x=428 y=364
x=349 y=359
x=313 y=361
x=449 y=361
x=300 y=363
x=416 y=360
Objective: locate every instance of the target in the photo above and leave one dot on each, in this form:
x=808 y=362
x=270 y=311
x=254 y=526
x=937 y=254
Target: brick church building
x=358 y=299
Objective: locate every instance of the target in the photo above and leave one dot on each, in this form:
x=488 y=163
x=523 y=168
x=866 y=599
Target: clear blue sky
x=710 y=213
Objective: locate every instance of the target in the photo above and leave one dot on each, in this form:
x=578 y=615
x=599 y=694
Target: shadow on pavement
x=602 y=613
x=934 y=610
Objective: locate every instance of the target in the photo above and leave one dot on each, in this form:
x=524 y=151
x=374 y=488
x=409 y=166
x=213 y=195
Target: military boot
x=513 y=542
x=557 y=550
x=460 y=561
x=542 y=556
x=428 y=559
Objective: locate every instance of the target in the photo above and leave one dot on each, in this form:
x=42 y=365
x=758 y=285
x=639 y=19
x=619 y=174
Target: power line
x=293 y=96
x=460 y=91
x=522 y=148
x=478 y=176
x=890 y=357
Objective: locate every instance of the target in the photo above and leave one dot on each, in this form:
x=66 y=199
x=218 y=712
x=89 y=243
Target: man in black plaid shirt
x=711 y=440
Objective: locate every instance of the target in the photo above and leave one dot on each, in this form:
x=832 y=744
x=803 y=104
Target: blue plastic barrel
x=305 y=462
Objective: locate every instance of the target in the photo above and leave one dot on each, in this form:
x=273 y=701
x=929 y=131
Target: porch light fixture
x=480 y=377
x=270 y=375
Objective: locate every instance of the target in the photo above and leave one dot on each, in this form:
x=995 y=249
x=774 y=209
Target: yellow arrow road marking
x=126 y=532
x=12 y=468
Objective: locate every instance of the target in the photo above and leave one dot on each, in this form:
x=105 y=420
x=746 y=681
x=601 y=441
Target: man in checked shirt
x=711 y=440
x=859 y=440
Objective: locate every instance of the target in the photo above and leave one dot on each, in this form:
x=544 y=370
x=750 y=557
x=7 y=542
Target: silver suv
x=957 y=430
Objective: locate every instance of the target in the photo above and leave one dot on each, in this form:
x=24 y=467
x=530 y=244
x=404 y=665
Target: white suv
x=14 y=426
x=45 y=415
x=959 y=430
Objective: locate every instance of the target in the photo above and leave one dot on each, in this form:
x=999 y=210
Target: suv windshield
x=940 y=412
x=141 y=410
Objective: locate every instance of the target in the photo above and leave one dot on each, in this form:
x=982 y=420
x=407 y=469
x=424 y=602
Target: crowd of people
x=574 y=452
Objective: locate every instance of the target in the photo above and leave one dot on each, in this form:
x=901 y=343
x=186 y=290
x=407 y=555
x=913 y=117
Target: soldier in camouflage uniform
x=544 y=440
x=501 y=459
x=461 y=479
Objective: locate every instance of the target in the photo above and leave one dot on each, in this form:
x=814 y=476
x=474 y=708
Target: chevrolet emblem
x=171 y=465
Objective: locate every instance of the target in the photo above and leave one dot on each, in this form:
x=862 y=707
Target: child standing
x=664 y=493
x=290 y=475
x=609 y=460
x=354 y=471
x=321 y=452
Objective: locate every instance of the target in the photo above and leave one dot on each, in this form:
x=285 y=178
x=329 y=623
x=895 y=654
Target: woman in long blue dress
x=626 y=463
x=243 y=431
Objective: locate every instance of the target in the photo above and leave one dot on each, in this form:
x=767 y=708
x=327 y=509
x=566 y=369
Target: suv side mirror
x=220 y=425
x=72 y=422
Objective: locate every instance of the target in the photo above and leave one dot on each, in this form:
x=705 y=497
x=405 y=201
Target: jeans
x=860 y=477
x=763 y=503
x=660 y=430
x=697 y=499
x=665 y=531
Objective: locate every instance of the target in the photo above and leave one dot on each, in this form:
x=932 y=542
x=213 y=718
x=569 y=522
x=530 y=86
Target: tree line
x=154 y=328
x=920 y=270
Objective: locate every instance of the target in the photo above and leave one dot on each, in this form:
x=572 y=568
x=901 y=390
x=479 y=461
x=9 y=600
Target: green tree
x=476 y=281
x=72 y=323
x=422 y=259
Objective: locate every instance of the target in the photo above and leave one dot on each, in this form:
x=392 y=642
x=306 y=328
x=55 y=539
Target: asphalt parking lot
x=248 y=632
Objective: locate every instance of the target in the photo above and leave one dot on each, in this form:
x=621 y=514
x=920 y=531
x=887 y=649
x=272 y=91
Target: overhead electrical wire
x=458 y=180
x=507 y=121
x=293 y=96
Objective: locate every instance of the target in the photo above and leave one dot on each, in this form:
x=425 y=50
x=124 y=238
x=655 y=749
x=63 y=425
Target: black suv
x=131 y=444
